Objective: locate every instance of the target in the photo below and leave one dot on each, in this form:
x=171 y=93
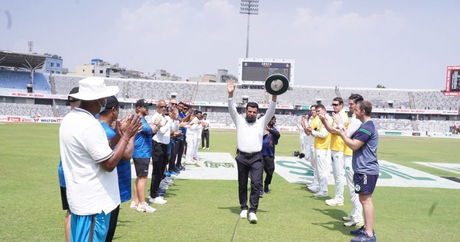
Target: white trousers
x=323 y=161
x=312 y=158
x=356 y=207
x=339 y=173
x=192 y=146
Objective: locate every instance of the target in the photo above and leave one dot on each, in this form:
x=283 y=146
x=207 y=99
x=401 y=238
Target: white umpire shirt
x=83 y=145
x=250 y=135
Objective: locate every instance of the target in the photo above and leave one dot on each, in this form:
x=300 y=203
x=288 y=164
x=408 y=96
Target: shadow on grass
x=335 y=226
x=332 y=212
x=237 y=210
x=121 y=223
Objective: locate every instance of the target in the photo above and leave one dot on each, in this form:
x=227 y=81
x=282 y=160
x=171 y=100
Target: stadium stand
x=30 y=110
x=203 y=94
x=18 y=80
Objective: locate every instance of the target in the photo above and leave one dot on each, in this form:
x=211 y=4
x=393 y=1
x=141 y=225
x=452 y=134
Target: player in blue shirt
x=108 y=119
x=364 y=143
x=141 y=157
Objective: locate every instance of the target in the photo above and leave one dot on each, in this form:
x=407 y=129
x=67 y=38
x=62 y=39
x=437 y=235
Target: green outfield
x=199 y=210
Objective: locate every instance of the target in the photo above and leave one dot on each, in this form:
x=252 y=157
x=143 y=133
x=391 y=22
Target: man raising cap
x=249 y=134
x=88 y=161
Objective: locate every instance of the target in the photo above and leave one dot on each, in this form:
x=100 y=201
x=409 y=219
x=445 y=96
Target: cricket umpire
x=249 y=133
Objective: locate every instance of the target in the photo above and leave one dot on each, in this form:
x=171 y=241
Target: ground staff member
x=270 y=139
x=88 y=161
x=249 y=133
x=73 y=102
x=364 y=143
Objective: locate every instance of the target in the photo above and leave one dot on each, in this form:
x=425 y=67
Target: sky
x=347 y=43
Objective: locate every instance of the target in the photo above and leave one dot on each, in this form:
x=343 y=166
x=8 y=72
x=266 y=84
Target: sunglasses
x=174 y=104
x=162 y=106
x=73 y=100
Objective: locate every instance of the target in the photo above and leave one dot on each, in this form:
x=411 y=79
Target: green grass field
x=30 y=206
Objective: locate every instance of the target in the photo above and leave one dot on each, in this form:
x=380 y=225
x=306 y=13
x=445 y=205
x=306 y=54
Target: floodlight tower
x=249 y=7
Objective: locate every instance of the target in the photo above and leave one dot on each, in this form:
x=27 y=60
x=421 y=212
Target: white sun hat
x=93 y=88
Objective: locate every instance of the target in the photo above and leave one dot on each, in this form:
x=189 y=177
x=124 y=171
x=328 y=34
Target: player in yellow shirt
x=322 y=145
x=337 y=149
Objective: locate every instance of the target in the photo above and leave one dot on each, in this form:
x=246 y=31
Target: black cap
x=111 y=102
x=142 y=103
x=197 y=111
x=73 y=91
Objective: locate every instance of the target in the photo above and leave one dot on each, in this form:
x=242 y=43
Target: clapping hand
x=129 y=126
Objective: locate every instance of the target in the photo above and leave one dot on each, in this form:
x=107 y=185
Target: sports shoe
x=164 y=186
x=266 y=189
x=261 y=194
x=161 y=192
x=133 y=205
x=364 y=237
x=321 y=194
x=252 y=218
x=357 y=232
x=334 y=202
x=174 y=174
x=244 y=213
x=167 y=174
x=158 y=200
x=203 y=148
x=207 y=148
x=145 y=208
x=354 y=222
x=313 y=189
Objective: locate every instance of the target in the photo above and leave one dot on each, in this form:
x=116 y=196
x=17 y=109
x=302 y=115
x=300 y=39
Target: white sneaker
x=354 y=222
x=321 y=194
x=347 y=218
x=334 y=202
x=207 y=148
x=164 y=186
x=133 y=205
x=158 y=200
x=203 y=148
x=313 y=188
x=145 y=208
x=252 y=218
x=244 y=213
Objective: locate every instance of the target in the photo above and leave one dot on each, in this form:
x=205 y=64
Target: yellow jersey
x=337 y=143
x=321 y=143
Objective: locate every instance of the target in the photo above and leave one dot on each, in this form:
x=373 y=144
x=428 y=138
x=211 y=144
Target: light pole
x=249 y=7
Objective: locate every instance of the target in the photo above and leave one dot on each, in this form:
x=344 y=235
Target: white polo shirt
x=83 y=144
x=163 y=134
x=249 y=136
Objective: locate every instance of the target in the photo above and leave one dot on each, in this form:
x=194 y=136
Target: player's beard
x=250 y=119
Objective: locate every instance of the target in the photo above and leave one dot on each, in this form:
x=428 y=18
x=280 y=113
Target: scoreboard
x=256 y=70
x=453 y=81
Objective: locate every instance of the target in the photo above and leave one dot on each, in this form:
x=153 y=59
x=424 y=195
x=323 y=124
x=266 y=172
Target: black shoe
x=266 y=189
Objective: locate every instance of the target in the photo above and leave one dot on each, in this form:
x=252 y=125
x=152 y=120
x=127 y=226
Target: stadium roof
x=20 y=60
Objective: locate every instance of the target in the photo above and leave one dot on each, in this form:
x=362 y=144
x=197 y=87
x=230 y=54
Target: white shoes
x=133 y=205
x=354 y=222
x=313 y=188
x=334 y=202
x=145 y=208
x=244 y=213
x=347 y=218
x=158 y=200
x=321 y=194
x=252 y=218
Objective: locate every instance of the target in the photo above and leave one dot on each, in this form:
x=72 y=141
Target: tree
x=380 y=86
